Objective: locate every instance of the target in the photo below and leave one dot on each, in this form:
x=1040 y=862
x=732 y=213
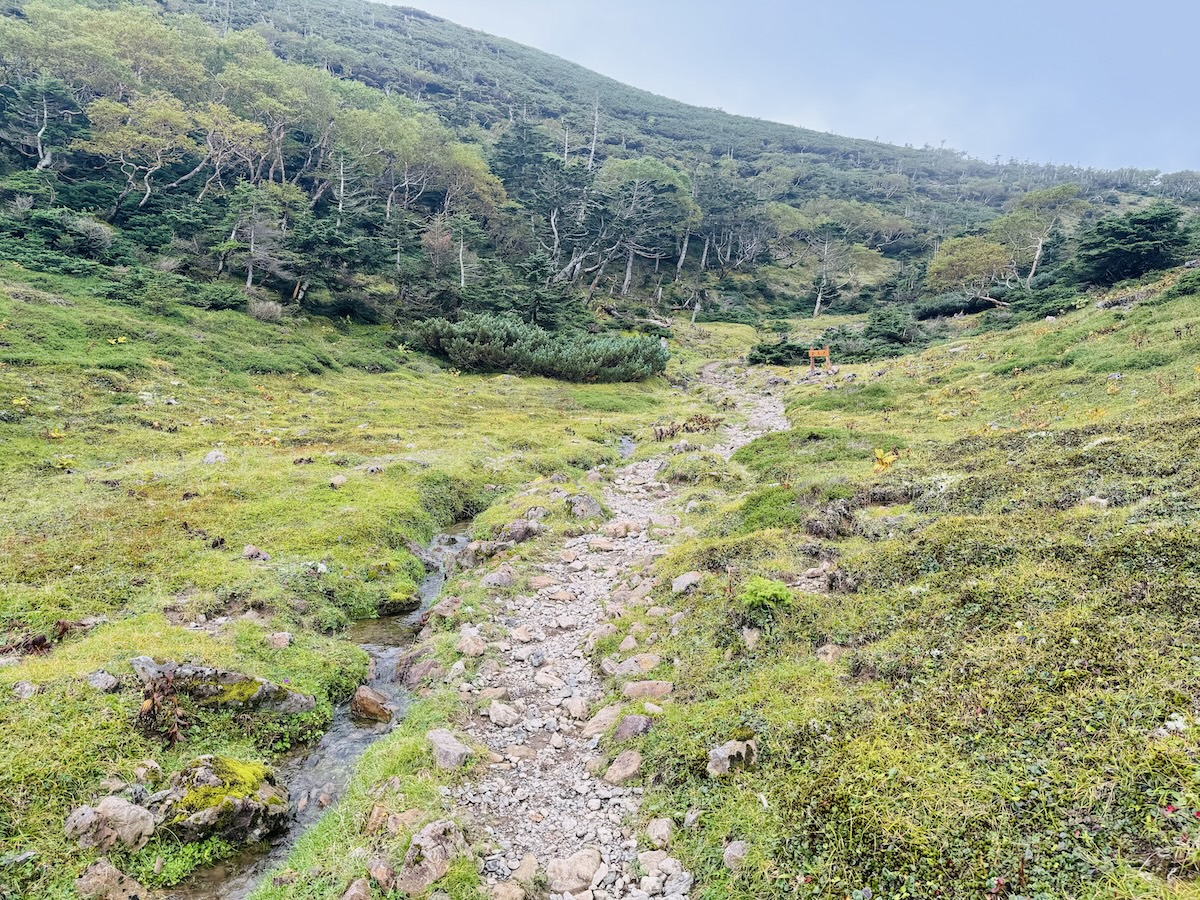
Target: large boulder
x=368 y=703
x=215 y=796
x=228 y=690
x=114 y=821
x=429 y=855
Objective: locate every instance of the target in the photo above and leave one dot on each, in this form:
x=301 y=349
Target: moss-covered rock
x=216 y=796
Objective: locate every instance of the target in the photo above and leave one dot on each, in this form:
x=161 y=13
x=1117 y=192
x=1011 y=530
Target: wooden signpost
x=814 y=354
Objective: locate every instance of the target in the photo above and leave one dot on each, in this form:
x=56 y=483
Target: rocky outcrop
x=229 y=690
x=215 y=796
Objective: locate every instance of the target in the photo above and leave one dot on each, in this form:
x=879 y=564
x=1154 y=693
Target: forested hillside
x=377 y=162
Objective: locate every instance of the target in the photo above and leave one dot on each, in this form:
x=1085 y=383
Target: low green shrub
x=489 y=343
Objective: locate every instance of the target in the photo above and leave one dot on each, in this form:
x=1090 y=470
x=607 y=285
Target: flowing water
x=316 y=777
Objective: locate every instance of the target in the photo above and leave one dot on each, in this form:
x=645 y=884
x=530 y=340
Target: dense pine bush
x=487 y=343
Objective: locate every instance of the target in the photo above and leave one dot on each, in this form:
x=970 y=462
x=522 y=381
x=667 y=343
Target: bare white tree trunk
x=628 y=274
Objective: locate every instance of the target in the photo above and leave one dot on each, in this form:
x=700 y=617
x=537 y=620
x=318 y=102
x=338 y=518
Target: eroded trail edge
x=546 y=796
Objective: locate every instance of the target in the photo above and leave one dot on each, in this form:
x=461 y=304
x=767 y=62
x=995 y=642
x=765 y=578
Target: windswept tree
x=1027 y=228
x=973 y=266
x=141 y=138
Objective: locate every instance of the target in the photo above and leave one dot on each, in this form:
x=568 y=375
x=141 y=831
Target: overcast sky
x=1097 y=83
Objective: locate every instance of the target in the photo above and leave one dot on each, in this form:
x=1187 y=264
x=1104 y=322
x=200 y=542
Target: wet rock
x=215 y=796
x=103 y=881
x=359 y=890
x=214 y=457
x=215 y=687
x=722 y=759
x=573 y=874
x=252 y=552
x=416 y=667
x=103 y=682
x=585 y=506
x=368 y=703
x=429 y=856
x=659 y=832
x=448 y=751
x=647 y=690
x=735 y=854
x=632 y=727
x=686 y=582
x=625 y=767
x=114 y=821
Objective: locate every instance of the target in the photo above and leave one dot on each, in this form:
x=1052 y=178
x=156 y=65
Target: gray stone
x=213 y=457
x=24 y=690
x=448 y=751
x=103 y=682
x=659 y=831
x=503 y=716
x=252 y=552
x=114 y=821
x=722 y=759
x=686 y=582
x=573 y=874
x=243 y=806
x=358 y=890
x=585 y=506
x=735 y=853
x=632 y=727
x=429 y=855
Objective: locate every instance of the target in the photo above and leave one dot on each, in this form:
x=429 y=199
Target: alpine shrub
x=489 y=343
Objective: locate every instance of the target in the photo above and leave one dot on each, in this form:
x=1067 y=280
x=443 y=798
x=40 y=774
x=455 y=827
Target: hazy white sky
x=1097 y=83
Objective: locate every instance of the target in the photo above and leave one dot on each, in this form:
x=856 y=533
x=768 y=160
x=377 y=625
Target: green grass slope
x=1005 y=701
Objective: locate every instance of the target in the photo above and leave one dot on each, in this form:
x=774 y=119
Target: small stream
x=317 y=777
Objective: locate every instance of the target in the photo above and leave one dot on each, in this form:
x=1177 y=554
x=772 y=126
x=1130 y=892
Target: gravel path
x=544 y=799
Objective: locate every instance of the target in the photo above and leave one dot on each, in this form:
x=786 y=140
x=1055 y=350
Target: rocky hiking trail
x=544 y=799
